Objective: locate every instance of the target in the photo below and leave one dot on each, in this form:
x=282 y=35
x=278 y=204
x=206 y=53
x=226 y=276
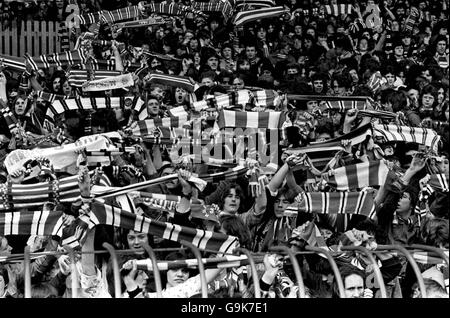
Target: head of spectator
x=432 y=288
x=354 y=282
x=230 y=200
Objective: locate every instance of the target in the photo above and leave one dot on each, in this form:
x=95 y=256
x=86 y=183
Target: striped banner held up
x=60 y=106
x=242 y=5
x=126 y=13
x=235 y=119
x=232 y=99
x=14 y=63
x=338 y=9
x=77 y=78
x=56 y=59
x=423 y=136
x=146 y=127
x=334 y=203
x=222 y=6
x=43 y=222
x=247 y=16
x=439 y=182
x=172 y=80
x=111 y=215
x=357 y=176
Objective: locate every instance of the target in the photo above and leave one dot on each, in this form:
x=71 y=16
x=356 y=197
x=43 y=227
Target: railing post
x=115 y=264
x=27 y=272
x=254 y=271
x=334 y=267
x=376 y=269
x=413 y=263
x=156 y=273
x=73 y=271
x=295 y=265
x=201 y=267
x=431 y=249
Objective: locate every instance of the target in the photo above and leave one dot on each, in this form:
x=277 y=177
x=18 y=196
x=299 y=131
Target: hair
x=225 y=193
x=432 y=288
x=434 y=232
x=233 y=225
x=346 y=271
x=398 y=99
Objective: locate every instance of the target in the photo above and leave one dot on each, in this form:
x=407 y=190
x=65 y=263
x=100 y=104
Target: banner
x=121 y=81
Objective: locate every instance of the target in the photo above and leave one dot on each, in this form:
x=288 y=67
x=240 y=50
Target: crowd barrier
x=32 y=37
x=399 y=250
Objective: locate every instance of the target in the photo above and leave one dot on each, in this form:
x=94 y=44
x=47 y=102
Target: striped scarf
x=172 y=9
x=423 y=136
x=77 y=78
x=357 y=26
x=412 y=20
x=127 y=13
x=9 y=117
x=111 y=215
x=439 y=182
x=226 y=261
x=14 y=63
x=43 y=222
x=358 y=176
x=334 y=203
x=90 y=18
x=442 y=60
x=164 y=202
x=338 y=9
x=109 y=83
x=374 y=82
x=344 y=105
x=233 y=119
x=242 y=5
x=141 y=23
x=380 y=114
x=147 y=127
x=223 y=7
x=60 y=106
x=236 y=98
x=56 y=59
x=247 y=16
x=172 y=80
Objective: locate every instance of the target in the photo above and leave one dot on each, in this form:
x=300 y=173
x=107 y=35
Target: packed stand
x=252 y=124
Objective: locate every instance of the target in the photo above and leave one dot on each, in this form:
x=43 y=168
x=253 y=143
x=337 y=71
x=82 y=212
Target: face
x=363 y=45
x=171 y=184
x=354 y=286
x=180 y=95
x=250 y=52
x=19 y=106
x=318 y=86
x=214 y=25
x=441 y=45
x=98 y=129
x=292 y=71
x=308 y=44
x=244 y=66
x=281 y=203
x=441 y=95
x=197 y=58
x=261 y=34
x=398 y=51
x=5 y=249
x=193 y=44
x=404 y=204
x=390 y=78
x=136 y=240
x=238 y=83
x=427 y=100
x=154 y=63
x=354 y=76
x=153 y=107
x=227 y=53
x=207 y=81
x=407 y=41
x=176 y=276
x=56 y=84
x=213 y=62
x=298 y=30
x=311 y=32
x=395 y=27
x=232 y=202
x=66 y=88
x=311 y=105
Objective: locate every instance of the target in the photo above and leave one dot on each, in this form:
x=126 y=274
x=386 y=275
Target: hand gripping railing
x=297 y=272
x=433 y=249
x=201 y=267
x=337 y=273
x=411 y=260
x=116 y=273
x=27 y=273
x=156 y=273
x=73 y=271
x=376 y=269
x=254 y=271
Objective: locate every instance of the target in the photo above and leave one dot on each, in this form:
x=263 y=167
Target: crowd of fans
x=398 y=61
